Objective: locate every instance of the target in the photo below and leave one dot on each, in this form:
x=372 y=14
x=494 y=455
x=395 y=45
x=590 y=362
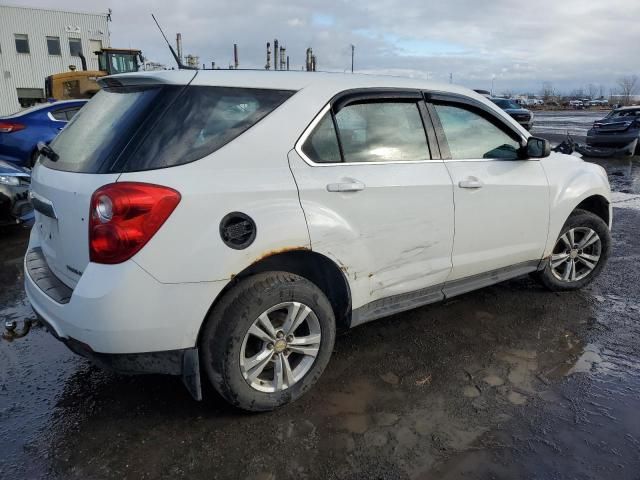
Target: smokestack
x=275 y=54
x=235 y=56
x=83 y=61
x=179 y=46
x=308 y=59
x=287 y=62
x=268 y=65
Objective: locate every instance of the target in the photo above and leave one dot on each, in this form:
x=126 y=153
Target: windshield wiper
x=47 y=151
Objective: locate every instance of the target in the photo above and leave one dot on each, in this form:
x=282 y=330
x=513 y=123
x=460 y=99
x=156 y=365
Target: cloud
x=570 y=43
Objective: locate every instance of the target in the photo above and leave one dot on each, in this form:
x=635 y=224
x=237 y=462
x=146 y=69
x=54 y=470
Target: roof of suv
x=286 y=80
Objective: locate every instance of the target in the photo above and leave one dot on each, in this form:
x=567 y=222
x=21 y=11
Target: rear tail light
x=10 y=127
x=124 y=217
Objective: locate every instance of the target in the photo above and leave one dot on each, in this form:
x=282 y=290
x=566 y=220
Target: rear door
x=379 y=201
x=501 y=200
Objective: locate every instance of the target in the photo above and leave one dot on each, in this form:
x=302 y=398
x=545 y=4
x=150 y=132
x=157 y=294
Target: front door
x=501 y=201
x=374 y=199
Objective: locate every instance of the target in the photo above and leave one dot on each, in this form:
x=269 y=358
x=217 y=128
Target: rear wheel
x=268 y=340
x=580 y=253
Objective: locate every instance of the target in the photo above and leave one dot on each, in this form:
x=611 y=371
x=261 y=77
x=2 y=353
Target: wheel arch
x=315 y=267
x=598 y=205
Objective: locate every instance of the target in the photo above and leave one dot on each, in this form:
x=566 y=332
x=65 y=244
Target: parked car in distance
x=15 y=207
x=21 y=132
x=618 y=129
x=521 y=115
x=302 y=203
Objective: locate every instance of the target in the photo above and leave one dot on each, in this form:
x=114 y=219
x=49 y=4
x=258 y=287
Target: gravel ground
x=511 y=381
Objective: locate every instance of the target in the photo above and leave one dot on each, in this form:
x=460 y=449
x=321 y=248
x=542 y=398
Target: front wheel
x=580 y=253
x=268 y=340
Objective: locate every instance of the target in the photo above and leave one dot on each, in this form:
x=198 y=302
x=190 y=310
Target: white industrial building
x=36 y=43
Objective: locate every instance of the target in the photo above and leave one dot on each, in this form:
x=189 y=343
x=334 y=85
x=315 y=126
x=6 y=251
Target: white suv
x=228 y=222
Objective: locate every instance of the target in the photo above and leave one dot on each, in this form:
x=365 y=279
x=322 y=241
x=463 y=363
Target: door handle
x=470 y=182
x=350 y=186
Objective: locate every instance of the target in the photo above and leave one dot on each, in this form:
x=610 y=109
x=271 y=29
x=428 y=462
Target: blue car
x=21 y=132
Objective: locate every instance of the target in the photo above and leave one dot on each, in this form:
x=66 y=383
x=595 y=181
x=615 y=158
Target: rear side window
x=322 y=145
x=382 y=132
x=143 y=128
x=372 y=131
x=202 y=120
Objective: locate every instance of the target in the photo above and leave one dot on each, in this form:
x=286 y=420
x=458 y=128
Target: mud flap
x=191 y=373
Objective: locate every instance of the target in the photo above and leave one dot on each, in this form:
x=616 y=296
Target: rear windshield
x=503 y=103
x=126 y=129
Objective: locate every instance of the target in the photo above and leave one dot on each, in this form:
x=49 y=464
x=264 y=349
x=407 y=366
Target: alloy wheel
x=576 y=254
x=280 y=347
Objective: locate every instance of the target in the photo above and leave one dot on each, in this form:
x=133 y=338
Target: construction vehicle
x=84 y=83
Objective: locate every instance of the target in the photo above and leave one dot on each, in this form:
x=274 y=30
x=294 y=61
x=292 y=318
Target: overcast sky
x=521 y=44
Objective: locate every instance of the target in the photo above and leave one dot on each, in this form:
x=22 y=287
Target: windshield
x=143 y=128
x=26 y=111
x=505 y=104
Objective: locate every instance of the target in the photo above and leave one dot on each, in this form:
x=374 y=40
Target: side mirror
x=538 y=148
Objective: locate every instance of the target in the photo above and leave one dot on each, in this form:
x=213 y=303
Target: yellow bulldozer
x=84 y=83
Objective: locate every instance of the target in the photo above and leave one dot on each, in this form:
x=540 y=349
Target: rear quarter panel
x=250 y=175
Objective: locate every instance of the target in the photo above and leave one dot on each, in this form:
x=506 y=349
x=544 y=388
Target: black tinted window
x=22 y=43
x=59 y=115
x=200 y=121
x=143 y=128
x=53 y=45
x=75 y=47
x=322 y=145
x=99 y=132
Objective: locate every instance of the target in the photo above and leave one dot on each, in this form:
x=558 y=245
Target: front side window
x=53 y=45
x=22 y=43
x=75 y=47
x=472 y=136
x=382 y=132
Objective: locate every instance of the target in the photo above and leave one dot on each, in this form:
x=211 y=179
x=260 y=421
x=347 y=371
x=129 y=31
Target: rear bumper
x=611 y=140
x=184 y=363
x=121 y=309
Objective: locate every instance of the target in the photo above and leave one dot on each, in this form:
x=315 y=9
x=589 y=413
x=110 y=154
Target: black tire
x=579 y=218
x=229 y=321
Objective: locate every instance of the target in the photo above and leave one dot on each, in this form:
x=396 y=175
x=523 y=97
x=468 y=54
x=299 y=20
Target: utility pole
x=353 y=48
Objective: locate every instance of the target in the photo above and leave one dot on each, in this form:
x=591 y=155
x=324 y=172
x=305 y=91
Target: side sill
x=475 y=282
x=399 y=303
